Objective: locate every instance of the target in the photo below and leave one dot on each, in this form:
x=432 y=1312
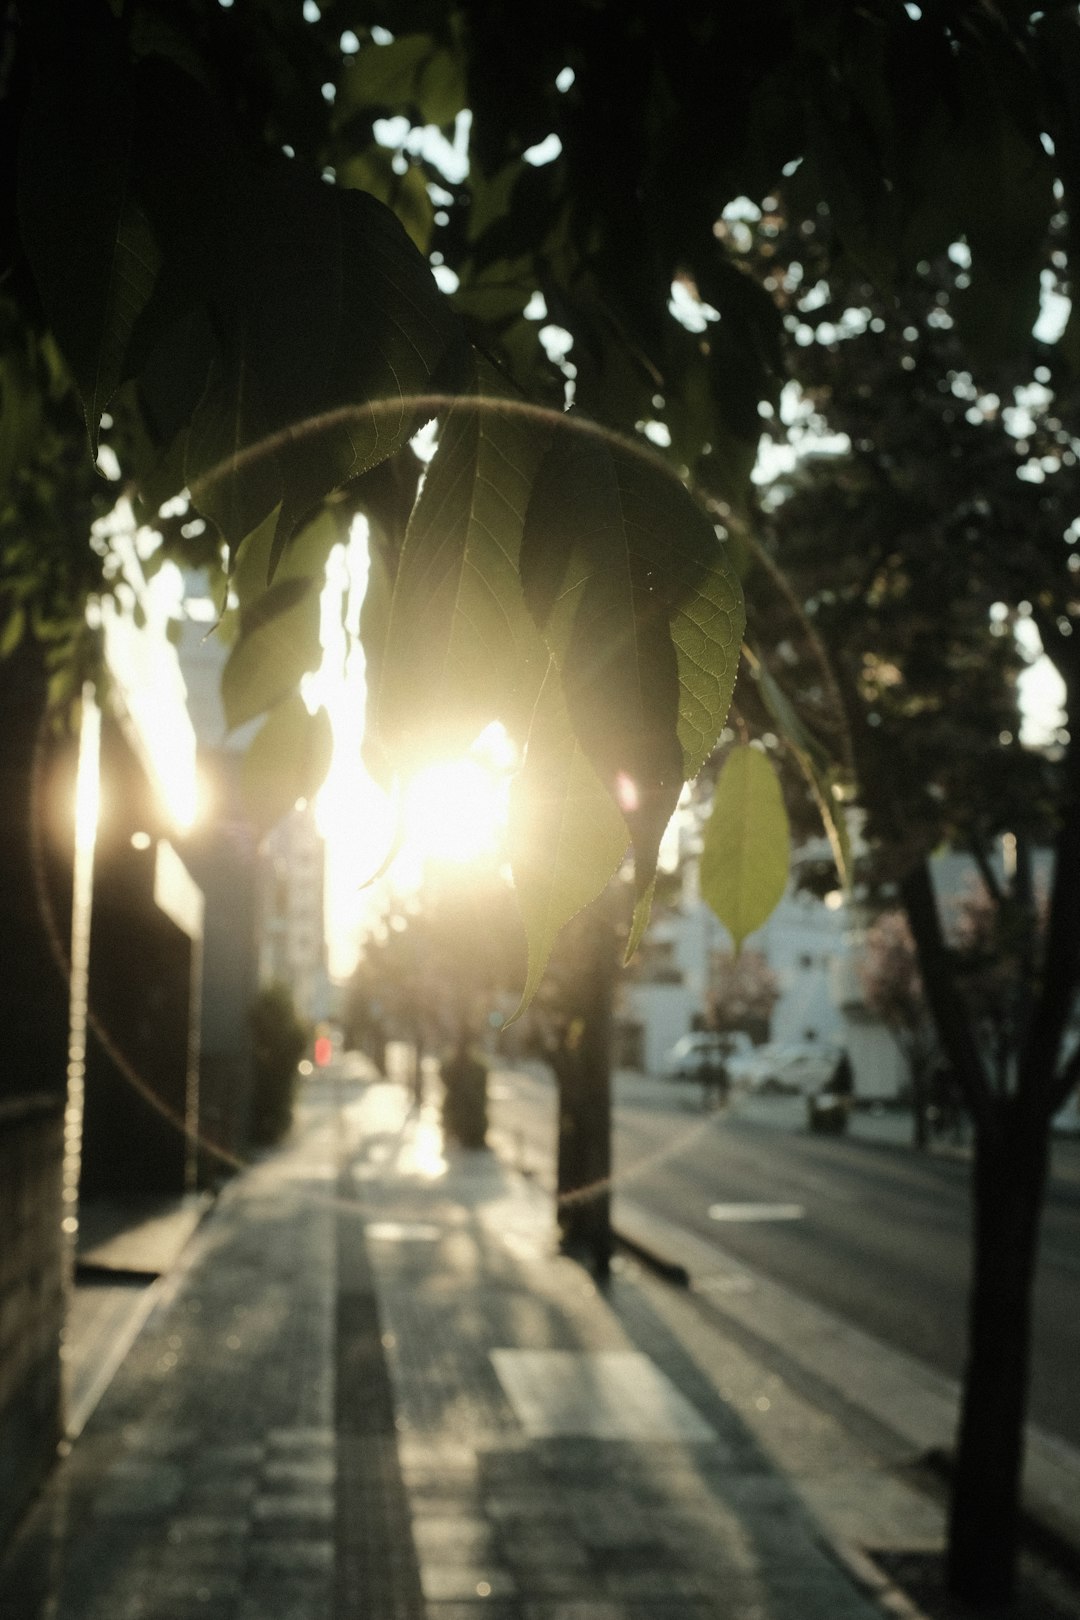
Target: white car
x=790 y=1070
x=692 y=1053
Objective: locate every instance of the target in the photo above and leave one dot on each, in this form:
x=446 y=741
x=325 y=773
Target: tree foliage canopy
x=221 y=228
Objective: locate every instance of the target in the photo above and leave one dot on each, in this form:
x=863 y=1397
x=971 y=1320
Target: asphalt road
x=861 y=1224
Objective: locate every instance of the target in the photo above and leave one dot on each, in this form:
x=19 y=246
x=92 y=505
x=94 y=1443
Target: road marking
x=756 y=1212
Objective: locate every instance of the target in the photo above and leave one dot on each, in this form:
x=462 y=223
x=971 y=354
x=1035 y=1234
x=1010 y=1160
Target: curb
x=871 y=1579
x=670 y=1270
x=1040 y=1532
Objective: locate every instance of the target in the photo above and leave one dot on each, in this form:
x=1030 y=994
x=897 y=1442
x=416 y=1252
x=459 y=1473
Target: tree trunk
x=1011 y=1151
x=583 y=1074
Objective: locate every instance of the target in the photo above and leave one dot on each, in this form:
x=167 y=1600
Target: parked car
x=790 y=1070
x=692 y=1053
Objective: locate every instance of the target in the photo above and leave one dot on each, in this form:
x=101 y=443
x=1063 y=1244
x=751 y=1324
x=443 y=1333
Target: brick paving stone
x=306 y=1442
x=298 y=1557
x=464 y=1539
x=299 y=1474
x=483 y=1609
x=528 y=1551
x=586 y=1609
x=559 y=1580
x=310 y=1507
x=274 y=1598
x=460 y=1582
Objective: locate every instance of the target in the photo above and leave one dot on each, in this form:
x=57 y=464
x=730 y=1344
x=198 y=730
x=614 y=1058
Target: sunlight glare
x=455 y=810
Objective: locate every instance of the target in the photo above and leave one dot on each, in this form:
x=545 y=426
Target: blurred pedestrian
x=841 y=1082
x=715 y=1081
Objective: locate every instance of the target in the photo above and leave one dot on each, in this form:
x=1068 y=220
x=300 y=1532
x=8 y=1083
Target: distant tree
x=442 y=962
x=912 y=559
x=278 y=1040
x=892 y=985
x=743 y=990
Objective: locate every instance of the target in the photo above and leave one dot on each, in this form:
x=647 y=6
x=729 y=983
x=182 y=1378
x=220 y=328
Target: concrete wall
x=31 y=1298
x=141 y=1113
x=223 y=858
x=666 y=1012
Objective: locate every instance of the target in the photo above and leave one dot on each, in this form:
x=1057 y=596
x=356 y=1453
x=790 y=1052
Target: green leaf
x=411 y=72
x=406 y=194
x=626 y=578
x=335 y=339
x=278 y=642
x=20 y=415
x=747 y=848
x=461 y=649
x=566 y=836
x=233 y=473
x=348 y=337
x=89 y=243
x=305 y=559
x=352 y=335
x=639 y=921
x=13 y=631
x=287 y=760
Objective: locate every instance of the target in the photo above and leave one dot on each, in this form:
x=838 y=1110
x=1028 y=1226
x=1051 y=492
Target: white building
x=811 y=946
x=289 y=874
x=802 y=941
x=292 y=938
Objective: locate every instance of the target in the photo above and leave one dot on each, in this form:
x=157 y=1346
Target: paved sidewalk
x=203 y=1483
x=582 y=1454
x=373 y=1389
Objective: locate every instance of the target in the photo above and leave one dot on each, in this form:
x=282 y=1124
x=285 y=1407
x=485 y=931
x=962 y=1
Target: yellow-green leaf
x=640 y=921
x=746 y=855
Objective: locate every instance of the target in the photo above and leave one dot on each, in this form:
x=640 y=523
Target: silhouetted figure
x=715 y=1082
x=842 y=1080
x=828 y=1111
x=464 y=1113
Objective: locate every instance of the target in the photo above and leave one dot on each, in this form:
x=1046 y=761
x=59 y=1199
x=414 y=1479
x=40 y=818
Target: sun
x=451 y=813
x=455 y=811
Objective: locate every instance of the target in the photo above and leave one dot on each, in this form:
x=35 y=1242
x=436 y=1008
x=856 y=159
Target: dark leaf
x=625 y=576
x=85 y=232
x=566 y=836
x=287 y=760
x=461 y=648
x=278 y=642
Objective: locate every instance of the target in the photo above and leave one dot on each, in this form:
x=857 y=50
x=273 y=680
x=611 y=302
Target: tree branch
x=939 y=981
x=986 y=871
